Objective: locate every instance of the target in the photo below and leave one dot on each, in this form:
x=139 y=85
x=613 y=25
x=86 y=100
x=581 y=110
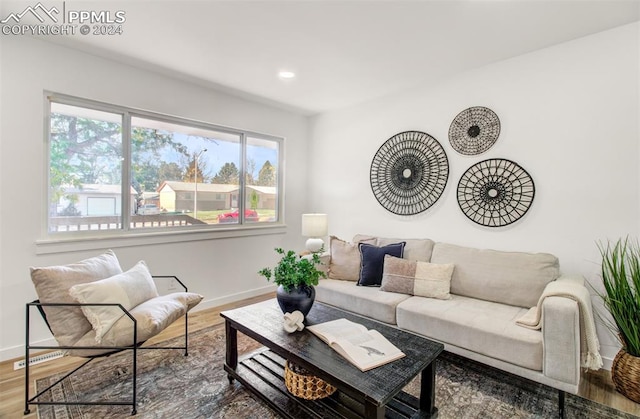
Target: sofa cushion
x=128 y=289
x=416 y=278
x=153 y=316
x=414 y=249
x=52 y=284
x=372 y=261
x=366 y=301
x=513 y=278
x=345 y=258
x=485 y=327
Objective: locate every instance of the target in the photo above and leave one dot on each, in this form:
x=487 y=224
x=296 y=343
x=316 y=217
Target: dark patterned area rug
x=173 y=386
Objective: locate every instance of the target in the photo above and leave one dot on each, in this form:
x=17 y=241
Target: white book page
x=341 y=329
x=369 y=350
x=364 y=348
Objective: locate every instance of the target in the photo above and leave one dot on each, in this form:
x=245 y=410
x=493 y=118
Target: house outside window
x=113 y=168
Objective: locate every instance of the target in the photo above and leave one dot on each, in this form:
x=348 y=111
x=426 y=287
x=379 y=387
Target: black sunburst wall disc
x=409 y=172
x=495 y=192
x=474 y=130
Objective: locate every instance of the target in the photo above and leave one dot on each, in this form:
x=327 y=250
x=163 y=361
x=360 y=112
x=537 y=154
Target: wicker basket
x=625 y=373
x=302 y=384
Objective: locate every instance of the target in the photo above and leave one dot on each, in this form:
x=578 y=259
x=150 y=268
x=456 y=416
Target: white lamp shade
x=315 y=225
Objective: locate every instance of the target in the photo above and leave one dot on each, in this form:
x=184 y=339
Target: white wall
x=569 y=116
x=221 y=270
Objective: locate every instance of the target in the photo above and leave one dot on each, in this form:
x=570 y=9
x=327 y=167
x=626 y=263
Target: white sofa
x=489 y=290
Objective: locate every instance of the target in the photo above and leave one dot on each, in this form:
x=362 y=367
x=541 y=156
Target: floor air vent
x=38 y=359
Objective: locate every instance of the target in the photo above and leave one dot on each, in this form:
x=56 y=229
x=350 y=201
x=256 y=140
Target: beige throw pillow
x=345 y=258
x=423 y=279
x=129 y=289
x=52 y=284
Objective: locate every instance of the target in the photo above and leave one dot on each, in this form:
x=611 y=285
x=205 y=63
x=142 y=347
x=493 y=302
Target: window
x=114 y=168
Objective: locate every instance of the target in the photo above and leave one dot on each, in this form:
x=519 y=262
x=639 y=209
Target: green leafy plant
x=621 y=279
x=293 y=270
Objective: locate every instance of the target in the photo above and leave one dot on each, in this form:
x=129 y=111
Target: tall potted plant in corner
x=295 y=276
x=621 y=297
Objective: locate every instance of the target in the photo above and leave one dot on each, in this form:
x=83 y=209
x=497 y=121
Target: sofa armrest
x=579 y=279
x=561 y=339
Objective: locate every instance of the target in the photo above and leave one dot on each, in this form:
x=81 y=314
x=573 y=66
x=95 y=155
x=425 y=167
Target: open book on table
x=366 y=349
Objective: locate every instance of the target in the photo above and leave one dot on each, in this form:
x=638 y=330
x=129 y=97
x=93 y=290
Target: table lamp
x=314 y=226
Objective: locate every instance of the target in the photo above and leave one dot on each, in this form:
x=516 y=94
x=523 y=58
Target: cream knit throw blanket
x=571 y=288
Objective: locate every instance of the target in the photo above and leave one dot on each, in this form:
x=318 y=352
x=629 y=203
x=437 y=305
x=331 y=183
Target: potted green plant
x=621 y=297
x=295 y=276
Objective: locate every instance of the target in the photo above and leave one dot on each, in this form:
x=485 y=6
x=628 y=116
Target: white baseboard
x=16 y=352
x=232 y=298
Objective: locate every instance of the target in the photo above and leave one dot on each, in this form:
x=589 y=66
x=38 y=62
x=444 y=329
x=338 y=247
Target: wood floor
x=596 y=386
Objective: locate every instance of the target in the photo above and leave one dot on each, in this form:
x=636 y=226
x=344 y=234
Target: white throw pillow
x=433 y=280
x=129 y=289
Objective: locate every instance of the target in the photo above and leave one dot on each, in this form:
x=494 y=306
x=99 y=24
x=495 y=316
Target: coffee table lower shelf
x=263 y=374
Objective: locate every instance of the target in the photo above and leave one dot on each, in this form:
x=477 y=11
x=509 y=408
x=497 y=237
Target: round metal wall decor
x=495 y=192
x=474 y=130
x=409 y=172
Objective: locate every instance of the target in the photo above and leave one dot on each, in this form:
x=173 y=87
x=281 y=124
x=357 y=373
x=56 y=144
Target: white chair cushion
x=128 y=289
x=153 y=316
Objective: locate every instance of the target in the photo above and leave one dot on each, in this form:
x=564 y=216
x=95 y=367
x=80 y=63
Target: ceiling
x=343 y=52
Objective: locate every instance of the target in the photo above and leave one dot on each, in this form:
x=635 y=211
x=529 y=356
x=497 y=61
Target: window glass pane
x=180 y=173
x=85 y=162
x=262 y=180
x=184 y=175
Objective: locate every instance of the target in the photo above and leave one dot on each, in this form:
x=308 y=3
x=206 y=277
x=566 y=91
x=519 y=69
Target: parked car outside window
x=148 y=209
x=232 y=217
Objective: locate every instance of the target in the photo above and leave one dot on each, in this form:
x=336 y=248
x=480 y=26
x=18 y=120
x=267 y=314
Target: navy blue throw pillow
x=372 y=261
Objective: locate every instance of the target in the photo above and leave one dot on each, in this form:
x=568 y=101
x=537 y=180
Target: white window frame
x=53 y=242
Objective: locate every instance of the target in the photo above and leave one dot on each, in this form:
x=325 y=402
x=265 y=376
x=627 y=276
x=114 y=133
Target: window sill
x=78 y=243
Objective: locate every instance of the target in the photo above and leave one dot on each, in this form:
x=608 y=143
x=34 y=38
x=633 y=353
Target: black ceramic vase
x=300 y=298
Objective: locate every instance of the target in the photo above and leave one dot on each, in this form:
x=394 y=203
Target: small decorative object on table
x=293 y=322
x=295 y=276
x=621 y=280
x=302 y=384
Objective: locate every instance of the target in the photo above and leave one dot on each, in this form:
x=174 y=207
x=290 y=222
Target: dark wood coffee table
x=376 y=393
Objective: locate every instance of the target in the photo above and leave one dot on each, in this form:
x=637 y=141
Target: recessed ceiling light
x=286 y=74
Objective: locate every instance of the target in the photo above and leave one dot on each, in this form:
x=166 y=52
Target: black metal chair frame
x=134 y=347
